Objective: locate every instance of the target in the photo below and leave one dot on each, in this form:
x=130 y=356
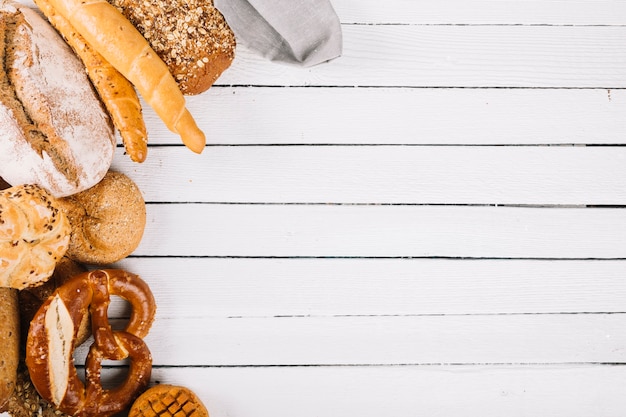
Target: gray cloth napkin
x=300 y=32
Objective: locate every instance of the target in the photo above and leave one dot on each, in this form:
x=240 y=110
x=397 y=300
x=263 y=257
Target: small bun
x=107 y=220
x=167 y=401
x=34 y=236
x=191 y=36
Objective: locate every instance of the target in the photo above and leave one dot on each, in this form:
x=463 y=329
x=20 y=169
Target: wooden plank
x=208 y=287
x=258 y=115
x=455 y=56
x=370 y=391
x=553 y=12
x=386 y=340
x=383 y=174
x=382 y=231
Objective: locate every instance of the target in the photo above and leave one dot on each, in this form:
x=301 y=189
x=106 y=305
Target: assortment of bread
x=71 y=77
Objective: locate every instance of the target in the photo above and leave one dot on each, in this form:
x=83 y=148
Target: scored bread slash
x=117 y=93
x=120 y=43
x=166 y=400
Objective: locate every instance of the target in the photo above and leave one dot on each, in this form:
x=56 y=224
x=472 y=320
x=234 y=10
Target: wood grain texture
x=228 y=230
x=455 y=56
x=432 y=224
x=266 y=287
x=417 y=116
x=384 y=175
x=482 y=12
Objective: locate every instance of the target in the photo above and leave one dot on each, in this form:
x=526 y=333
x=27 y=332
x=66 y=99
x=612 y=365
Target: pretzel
x=113 y=36
x=50 y=343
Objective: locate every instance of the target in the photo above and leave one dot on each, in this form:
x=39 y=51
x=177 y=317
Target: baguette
x=120 y=43
x=116 y=92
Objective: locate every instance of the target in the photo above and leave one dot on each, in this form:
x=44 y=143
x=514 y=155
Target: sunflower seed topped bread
x=191 y=36
x=54 y=131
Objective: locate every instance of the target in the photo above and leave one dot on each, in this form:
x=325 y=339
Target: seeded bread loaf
x=190 y=36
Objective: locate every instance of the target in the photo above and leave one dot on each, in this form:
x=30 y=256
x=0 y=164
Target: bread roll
x=191 y=37
x=34 y=235
x=108 y=220
x=54 y=131
x=168 y=400
x=9 y=344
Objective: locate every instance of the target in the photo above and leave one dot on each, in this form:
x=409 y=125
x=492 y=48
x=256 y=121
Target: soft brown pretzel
x=50 y=343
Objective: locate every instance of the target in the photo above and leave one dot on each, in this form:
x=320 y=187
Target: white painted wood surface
x=432 y=224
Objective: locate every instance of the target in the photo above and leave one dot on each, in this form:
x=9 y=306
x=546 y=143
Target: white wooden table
x=433 y=224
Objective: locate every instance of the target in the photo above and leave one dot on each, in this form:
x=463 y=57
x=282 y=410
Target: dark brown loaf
x=54 y=131
x=190 y=36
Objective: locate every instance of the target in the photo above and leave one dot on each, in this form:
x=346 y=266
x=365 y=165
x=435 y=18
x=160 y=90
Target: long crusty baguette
x=116 y=92
x=9 y=344
x=120 y=43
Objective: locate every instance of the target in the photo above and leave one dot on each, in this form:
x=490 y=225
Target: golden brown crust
x=168 y=401
x=108 y=220
x=31 y=299
x=34 y=236
x=192 y=37
x=50 y=343
x=9 y=344
x=111 y=34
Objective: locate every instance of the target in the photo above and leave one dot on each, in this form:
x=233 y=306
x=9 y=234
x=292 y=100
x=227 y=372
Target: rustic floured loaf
x=54 y=131
x=190 y=36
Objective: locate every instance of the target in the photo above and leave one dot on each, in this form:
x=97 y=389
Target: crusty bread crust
x=54 y=131
x=108 y=220
x=192 y=37
x=9 y=344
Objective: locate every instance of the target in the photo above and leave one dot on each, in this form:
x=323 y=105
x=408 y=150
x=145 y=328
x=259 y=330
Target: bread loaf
x=191 y=37
x=54 y=131
x=108 y=220
x=9 y=344
x=34 y=235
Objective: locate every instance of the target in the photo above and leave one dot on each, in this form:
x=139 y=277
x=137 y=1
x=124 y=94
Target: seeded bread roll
x=107 y=220
x=34 y=236
x=190 y=36
x=54 y=131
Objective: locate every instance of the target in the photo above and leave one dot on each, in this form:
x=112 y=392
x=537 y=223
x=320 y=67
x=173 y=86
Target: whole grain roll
x=107 y=220
x=191 y=36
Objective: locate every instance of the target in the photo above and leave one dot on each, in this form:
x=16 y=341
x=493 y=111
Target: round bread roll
x=34 y=236
x=107 y=220
x=54 y=131
x=191 y=36
x=166 y=401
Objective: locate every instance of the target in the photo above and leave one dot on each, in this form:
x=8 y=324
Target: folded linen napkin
x=299 y=32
